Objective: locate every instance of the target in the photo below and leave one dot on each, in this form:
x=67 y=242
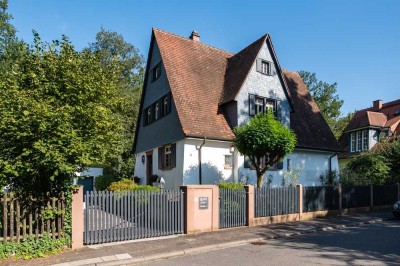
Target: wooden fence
x=19 y=220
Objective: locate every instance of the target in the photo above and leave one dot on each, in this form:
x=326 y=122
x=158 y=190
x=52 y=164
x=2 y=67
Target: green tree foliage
x=341 y=123
x=368 y=168
x=114 y=50
x=325 y=95
x=59 y=112
x=7 y=30
x=265 y=141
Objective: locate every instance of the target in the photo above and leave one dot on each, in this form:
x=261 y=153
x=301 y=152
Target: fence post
x=340 y=198
x=249 y=205
x=77 y=218
x=398 y=191
x=300 y=190
x=372 y=197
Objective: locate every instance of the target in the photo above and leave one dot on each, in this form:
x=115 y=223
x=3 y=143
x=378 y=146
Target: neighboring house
x=195 y=94
x=87 y=178
x=366 y=128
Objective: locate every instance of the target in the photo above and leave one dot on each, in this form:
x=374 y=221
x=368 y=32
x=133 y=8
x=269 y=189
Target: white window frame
x=156 y=108
x=259 y=103
x=353 y=142
x=365 y=140
x=359 y=141
x=265 y=67
x=167 y=156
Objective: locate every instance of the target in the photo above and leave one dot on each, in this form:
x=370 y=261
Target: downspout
x=199 y=149
x=330 y=161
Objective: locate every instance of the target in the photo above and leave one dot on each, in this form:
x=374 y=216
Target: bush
x=128 y=185
x=368 y=168
x=225 y=185
x=103 y=182
x=329 y=178
x=145 y=188
x=123 y=185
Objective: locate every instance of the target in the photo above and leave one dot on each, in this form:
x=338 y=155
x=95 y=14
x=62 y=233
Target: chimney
x=377 y=104
x=195 y=36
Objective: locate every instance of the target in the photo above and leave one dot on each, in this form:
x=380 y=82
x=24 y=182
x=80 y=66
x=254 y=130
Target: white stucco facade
x=307 y=163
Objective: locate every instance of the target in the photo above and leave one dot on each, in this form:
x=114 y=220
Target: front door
x=149 y=166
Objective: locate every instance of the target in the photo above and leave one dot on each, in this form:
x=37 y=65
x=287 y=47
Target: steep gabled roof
x=306 y=120
x=195 y=73
x=238 y=68
x=202 y=78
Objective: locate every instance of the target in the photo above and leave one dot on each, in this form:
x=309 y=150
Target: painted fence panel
x=119 y=216
x=320 y=198
x=276 y=201
x=356 y=196
x=385 y=195
x=232 y=208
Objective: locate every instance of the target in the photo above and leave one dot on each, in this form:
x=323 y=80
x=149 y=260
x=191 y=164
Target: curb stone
x=202 y=249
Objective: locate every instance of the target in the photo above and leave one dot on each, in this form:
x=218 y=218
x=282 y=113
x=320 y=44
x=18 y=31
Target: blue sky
x=355 y=43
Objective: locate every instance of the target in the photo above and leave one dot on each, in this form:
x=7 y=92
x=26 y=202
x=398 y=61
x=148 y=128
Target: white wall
x=310 y=164
x=173 y=178
x=213 y=162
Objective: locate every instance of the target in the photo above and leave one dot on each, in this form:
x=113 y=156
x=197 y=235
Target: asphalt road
x=374 y=244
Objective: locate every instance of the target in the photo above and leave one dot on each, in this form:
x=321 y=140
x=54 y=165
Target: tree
x=265 y=140
x=7 y=30
x=367 y=168
x=112 y=48
x=59 y=112
x=325 y=95
x=341 y=124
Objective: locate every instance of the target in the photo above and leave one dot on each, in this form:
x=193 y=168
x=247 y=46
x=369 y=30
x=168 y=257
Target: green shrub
x=30 y=248
x=103 y=182
x=145 y=188
x=123 y=185
x=225 y=185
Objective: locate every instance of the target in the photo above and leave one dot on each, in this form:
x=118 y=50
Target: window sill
x=227 y=167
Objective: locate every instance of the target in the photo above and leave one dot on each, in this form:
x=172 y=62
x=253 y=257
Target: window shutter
x=173 y=155
x=160 y=158
x=280 y=166
x=247 y=162
x=159 y=69
x=258 y=64
x=278 y=110
x=272 y=67
x=252 y=107
x=145 y=117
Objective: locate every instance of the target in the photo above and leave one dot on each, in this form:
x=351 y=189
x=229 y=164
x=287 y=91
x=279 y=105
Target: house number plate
x=203 y=202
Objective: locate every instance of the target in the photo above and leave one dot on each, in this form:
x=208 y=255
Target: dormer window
x=264 y=67
x=156 y=72
x=359 y=141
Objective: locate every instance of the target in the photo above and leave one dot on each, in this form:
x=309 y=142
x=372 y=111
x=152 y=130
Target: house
x=195 y=94
x=366 y=128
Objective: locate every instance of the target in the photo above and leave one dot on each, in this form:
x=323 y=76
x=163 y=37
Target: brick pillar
x=371 y=205
x=77 y=218
x=249 y=205
x=198 y=219
x=300 y=189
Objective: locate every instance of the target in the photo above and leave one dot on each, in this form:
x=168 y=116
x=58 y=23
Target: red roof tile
x=201 y=77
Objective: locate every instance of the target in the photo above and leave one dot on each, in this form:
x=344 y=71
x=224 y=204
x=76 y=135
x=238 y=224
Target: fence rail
x=276 y=201
x=21 y=219
x=232 y=210
x=118 y=216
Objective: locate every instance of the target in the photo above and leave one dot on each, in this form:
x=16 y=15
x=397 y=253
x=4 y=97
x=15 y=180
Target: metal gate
x=232 y=209
x=118 y=216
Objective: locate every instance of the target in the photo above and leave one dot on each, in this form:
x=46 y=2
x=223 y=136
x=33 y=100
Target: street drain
x=258 y=243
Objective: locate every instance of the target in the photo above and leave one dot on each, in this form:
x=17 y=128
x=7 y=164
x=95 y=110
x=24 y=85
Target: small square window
x=266 y=67
x=156 y=72
x=228 y=161
x=167 y=156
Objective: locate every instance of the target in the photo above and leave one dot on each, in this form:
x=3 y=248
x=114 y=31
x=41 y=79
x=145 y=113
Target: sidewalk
x=121 y=253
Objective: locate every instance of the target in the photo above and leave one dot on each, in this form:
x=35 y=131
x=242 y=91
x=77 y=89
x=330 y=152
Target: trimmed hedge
x=225 y=185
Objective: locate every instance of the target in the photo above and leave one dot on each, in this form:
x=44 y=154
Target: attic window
x=264 y=67
x=397 y=112
x=156 y=72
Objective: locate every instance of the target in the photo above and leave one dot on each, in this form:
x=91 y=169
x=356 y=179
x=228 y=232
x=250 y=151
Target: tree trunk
x=259 y=179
